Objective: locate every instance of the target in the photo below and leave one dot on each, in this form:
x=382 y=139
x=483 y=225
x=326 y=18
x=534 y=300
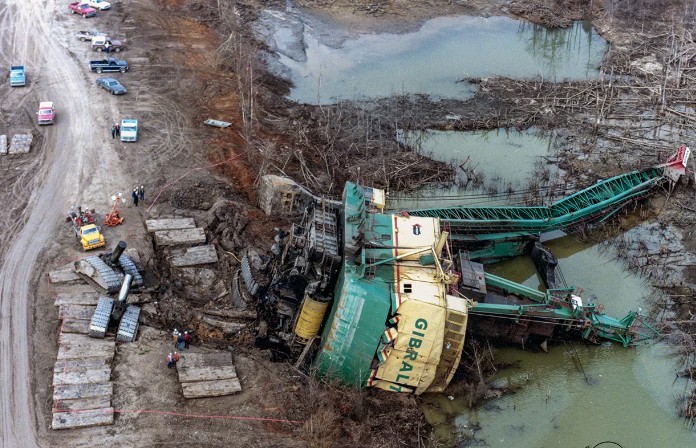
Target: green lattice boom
x=594 y=203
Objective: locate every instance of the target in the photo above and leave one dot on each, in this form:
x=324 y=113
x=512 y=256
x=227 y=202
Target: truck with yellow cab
x=86 y=229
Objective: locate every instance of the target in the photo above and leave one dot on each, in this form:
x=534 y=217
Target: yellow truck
x=85 y=229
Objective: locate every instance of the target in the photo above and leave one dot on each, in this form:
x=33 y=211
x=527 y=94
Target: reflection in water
x=442 y=52
x=552 y=47
x=497 y=161
x=576 y=395
x=622 y=395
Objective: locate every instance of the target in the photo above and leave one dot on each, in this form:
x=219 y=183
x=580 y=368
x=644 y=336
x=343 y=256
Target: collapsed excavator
x=116 y=313
x=107 y=271
x=112 y=272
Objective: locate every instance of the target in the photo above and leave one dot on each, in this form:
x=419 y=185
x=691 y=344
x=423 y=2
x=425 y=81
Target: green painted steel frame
x=584 y=205
x=553 y=305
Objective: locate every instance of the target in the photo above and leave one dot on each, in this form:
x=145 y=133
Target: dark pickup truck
x=109 y=65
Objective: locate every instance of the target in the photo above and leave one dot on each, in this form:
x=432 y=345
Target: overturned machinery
x=112 y=272
x=510 y=312
x=364 y=294
x=108 y=270
x=491 y=233
x=380 y=299
x=116 y=312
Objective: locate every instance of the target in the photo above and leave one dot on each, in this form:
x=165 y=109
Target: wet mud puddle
x=435 y=59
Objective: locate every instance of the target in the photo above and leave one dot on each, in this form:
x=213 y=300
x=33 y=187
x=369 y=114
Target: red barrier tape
x=177 y=414
x=180 y=414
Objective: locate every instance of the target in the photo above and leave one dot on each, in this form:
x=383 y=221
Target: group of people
x=138 y=194
x=181 y=341
x=172 y=360
x=115 y=130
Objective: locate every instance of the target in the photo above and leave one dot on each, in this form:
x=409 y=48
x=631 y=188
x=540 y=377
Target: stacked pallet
x=65 y=275
x=177 y=232
x=207 y=375
x=76 y=310
x=82 y=387
x=21 y=143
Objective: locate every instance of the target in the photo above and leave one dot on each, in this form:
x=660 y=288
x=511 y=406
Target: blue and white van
x=129 y=130
x=18 y=76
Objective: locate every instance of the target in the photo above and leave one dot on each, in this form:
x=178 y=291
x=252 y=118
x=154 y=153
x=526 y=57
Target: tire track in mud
x=26 y=26
x=166 y=130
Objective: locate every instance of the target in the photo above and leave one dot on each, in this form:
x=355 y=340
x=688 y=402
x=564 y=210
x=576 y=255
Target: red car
x=46 y=112
x=82 y=8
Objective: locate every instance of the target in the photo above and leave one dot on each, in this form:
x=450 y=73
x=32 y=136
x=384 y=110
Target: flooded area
x=501 y=160
x=577 y=395
x=435 y=59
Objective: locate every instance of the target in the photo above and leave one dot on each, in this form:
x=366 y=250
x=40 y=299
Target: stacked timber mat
x=207 y=375
x=82 y=387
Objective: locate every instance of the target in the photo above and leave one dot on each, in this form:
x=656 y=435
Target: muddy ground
x=196 y=59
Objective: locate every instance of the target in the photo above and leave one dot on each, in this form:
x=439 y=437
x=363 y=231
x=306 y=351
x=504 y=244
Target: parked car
x=107 y=44
x=46 y=112
x=129 y=130
x=82 y=8
x=18 y=76
x=112 y=86
x=109 y=65
x=101 y=5
x=85 y=36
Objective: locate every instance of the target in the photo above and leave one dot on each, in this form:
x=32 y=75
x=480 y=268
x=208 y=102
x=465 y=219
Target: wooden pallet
x=82 y=388
x=207 y=375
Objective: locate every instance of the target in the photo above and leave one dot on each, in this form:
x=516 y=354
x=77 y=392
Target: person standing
x=187 y=339
x=176 y=358
x=118 y=129
x=113 y=131
x=180 y=341
x=170 y=361
x=141 y=192
x=175 y=336
x=135 y=197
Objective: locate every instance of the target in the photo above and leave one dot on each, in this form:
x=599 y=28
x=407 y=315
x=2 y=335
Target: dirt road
x=52 y=74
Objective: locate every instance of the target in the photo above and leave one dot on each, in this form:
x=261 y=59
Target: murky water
x=501 y=159
x=442 y=52
x=614 y=394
